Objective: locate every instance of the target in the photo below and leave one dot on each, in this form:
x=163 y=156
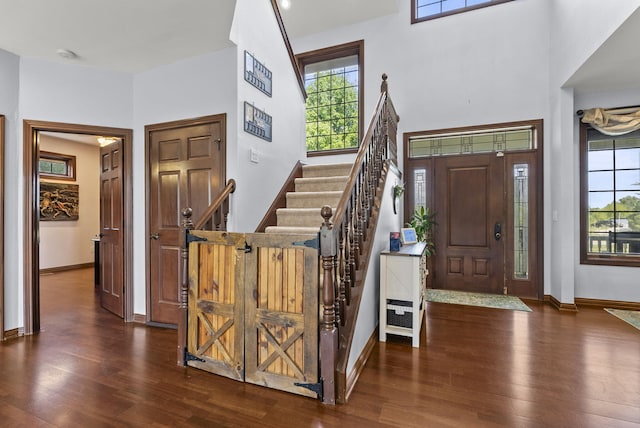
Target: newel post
x=185 y=227
x=328 y=331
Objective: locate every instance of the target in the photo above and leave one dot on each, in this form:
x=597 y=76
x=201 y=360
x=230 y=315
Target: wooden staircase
x=319 y=185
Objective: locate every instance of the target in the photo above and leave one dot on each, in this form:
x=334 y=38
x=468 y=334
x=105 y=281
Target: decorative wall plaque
x=257 y=122
x=256 y=73
x=58 y=202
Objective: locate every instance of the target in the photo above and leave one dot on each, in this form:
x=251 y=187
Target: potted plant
x=398 y=190
x=423 y=221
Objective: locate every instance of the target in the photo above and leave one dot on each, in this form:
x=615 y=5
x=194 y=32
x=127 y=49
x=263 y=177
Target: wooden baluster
x=185 y=228
x=328 y=332
x=225 y=208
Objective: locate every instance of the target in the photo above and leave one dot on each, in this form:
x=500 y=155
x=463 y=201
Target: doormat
x=630 y=317
x=497 y=301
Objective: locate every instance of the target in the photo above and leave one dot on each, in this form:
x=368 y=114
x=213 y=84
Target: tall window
x=610 y=197
x=423 y=10
x=333 y=78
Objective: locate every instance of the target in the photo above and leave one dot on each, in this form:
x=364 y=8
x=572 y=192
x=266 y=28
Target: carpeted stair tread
x=327 y=170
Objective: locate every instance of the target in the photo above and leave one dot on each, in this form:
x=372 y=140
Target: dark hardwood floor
x=478 y=368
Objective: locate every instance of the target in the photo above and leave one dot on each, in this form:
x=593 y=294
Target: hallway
x=479 y=367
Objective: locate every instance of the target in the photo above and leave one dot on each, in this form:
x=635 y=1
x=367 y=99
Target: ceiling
x=136 y=35
x=615 y=65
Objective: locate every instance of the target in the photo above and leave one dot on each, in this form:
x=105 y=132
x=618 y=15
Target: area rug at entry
x=630 y=317
x=497 y=301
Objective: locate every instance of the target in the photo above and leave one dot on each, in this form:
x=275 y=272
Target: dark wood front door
x=111 y=229
x=187 y=169
x=470 y=216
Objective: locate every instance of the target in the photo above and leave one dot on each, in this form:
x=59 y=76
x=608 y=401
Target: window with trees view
x=610 y=167
x=333 y=77
x=423 y=10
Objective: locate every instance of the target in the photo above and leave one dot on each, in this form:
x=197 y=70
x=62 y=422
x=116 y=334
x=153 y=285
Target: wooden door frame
x=2 y=129
x=538 y=126
x=164 y=126
x=31 y=264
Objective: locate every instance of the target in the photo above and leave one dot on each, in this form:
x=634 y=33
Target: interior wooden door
x=470 y=233
x=111 y=229
x=186 y=164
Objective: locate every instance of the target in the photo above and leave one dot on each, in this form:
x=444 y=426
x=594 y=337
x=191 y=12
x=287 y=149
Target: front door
x=111 y=229
x=187 y=169
x=470 y=209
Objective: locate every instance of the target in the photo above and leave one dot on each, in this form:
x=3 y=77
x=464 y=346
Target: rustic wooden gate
x=253 y=308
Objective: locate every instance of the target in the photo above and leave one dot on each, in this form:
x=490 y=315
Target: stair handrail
x=221 y=201
x=343 y=238
x=217 y=212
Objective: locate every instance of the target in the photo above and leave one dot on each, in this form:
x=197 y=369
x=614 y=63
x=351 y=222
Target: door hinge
x=192 y=238
x=309 y=243
x=190 y=357
x=315 y=387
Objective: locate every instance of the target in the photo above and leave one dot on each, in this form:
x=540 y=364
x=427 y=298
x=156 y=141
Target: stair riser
x=316 y=186
x=326 y=170
x=296 y=219
x=312 y=202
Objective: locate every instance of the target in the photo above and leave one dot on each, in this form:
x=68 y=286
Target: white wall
x=255 y=30
x=59 y=93
x=74 y=236
x=191 y=88
x=578 y=28
x=499 y=64
x=603 y=282
x=9 y=78
x=368 y=315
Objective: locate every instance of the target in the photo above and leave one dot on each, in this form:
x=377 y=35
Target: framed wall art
x=58 y=202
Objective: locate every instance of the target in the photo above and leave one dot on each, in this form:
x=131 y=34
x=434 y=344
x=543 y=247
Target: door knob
x=154 y=236
x=497 y=231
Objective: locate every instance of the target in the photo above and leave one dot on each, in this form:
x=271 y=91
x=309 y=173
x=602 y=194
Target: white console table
x=403 y=291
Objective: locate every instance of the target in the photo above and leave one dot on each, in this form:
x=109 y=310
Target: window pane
x=449 y=5
x=599 y=160
x=627 y=179
x=627 y=158
x=600 y=200
x=601 y=180
x=627 y=201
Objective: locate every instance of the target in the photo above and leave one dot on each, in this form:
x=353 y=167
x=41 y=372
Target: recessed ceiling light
x=286 y=4
x=66 y=53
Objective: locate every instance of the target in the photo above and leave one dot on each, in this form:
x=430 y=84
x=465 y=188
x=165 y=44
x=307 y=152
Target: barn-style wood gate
x=253 y=308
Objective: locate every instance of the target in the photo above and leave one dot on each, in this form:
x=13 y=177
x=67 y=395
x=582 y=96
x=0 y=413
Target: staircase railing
x=346 y=242
x=213 y=218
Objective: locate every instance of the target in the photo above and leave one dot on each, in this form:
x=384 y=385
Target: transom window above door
x=468 y=142
x=333 y=80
